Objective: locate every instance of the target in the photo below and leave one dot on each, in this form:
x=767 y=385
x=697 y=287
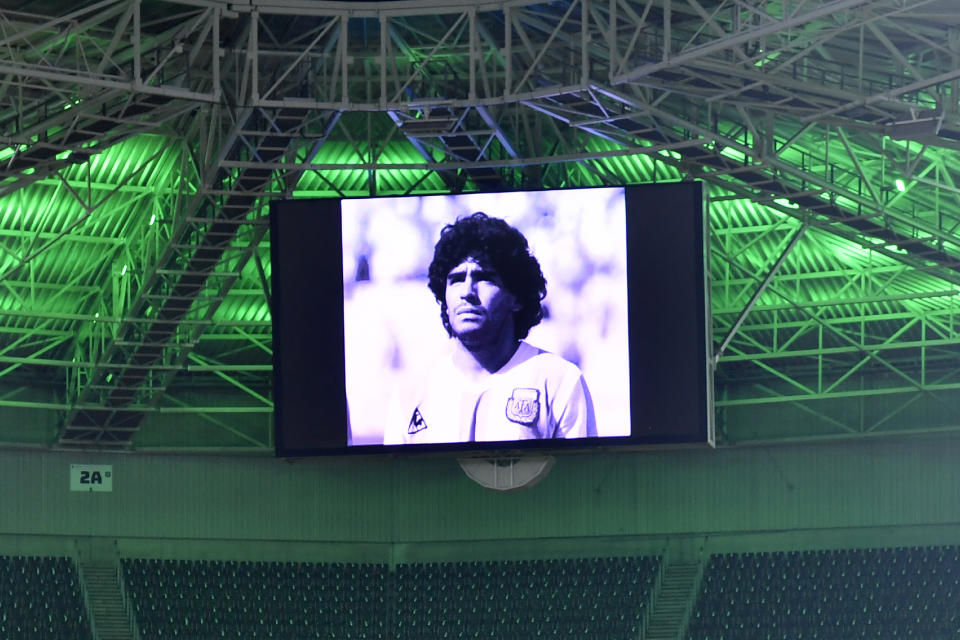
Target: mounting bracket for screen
x=507 y=474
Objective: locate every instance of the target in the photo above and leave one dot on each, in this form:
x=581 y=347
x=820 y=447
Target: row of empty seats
x=40 y=599
x=601 y=598
x=584 y=598
x=826 y=595
x=862 y=593
x=195 y=599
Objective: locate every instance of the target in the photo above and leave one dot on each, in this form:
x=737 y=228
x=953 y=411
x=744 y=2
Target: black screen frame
x=671 y=384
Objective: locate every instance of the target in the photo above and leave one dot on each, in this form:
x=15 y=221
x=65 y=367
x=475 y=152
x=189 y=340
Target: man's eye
x=455 y=277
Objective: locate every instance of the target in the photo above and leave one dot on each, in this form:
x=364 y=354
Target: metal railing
x=85 y=594
x=128 y=608
x=652 y=595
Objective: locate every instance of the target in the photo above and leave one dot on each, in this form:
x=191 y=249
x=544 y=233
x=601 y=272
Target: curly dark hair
x=496 y=245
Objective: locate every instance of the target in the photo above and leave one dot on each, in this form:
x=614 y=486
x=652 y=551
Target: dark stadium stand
x=41 y=599
x=830 y=595
x=827 y=595
x=584 y=598
x=603 y=598
x=198 y=600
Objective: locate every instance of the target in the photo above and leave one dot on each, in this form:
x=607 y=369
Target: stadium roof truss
x=141 y=142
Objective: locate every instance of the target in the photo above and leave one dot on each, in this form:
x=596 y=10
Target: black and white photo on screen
x=394 y=336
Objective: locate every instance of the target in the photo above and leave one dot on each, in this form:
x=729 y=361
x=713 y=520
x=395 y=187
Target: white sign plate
x=91 y=477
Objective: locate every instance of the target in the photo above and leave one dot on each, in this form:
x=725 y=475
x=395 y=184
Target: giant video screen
x=488 y=323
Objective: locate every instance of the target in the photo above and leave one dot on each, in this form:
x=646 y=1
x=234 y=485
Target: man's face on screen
x=480 y=310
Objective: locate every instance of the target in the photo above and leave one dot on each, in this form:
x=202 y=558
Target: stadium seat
x=888 y=593
x=40 y=599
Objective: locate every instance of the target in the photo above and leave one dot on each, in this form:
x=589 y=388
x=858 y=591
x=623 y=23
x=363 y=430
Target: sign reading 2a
x=91 y=477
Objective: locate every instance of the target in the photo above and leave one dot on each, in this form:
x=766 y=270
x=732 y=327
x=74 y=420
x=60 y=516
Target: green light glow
x=847 y=203
x=734 y=154
x=901 y=187
x=784 y=202
x=769 y=58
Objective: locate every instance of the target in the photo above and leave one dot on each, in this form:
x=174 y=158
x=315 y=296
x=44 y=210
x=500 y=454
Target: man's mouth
x=469 y=311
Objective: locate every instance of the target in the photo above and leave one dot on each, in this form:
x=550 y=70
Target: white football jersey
x=535 y=395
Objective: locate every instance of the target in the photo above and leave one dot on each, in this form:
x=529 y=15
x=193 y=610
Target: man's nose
x=470 y=290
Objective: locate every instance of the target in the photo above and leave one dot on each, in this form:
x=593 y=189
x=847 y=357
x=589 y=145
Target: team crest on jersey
x=523 y=407
x=417 y=423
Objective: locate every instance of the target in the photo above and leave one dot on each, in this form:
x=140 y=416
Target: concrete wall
x=374 y=508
